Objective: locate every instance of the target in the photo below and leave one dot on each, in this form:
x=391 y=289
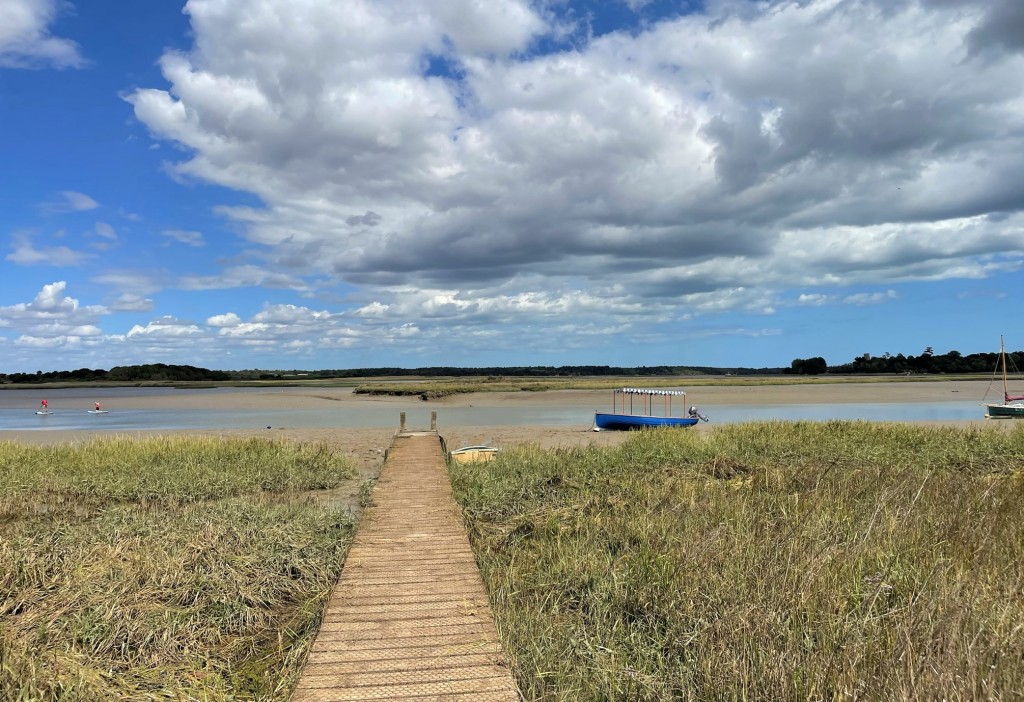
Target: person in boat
x=44 y=406
x=97 y=406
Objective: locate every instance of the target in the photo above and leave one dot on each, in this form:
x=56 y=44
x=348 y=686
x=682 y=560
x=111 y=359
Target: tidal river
x=133 y=408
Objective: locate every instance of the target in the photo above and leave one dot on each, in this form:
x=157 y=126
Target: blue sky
x=334 y=184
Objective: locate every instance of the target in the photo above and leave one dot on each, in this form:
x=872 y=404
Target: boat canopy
x=646 y=391
x=645 y=400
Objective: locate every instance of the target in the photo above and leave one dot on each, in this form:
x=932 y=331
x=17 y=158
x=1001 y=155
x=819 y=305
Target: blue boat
x=643 y=416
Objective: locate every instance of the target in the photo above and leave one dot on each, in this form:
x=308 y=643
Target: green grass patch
x=761 y=561
x=167 y=568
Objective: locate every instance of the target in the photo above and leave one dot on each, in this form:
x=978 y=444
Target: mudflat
x=367 y=445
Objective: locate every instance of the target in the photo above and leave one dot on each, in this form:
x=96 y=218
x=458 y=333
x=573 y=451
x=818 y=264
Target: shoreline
x=313 y=397
x=366 y=445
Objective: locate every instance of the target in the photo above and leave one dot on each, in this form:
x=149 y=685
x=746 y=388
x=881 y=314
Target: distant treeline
x=161 y=372
x=502 y=371
x=927 y=363
x=119 y=374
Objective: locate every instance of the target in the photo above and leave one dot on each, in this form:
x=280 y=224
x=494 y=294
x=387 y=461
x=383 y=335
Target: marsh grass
x=437 y=389
x=768 y=561
x=166 y=568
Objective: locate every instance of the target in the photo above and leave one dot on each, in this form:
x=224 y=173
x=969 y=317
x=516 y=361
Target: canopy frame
x=647 y=397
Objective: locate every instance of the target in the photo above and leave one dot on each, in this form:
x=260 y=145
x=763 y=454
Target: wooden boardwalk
x=409 y=619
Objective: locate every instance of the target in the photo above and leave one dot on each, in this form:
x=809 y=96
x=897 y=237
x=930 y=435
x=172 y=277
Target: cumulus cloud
x=54 y=315
x=166 y=327
x=224 y=320
x=705 y=163
x=25 y=39
x=294 y=329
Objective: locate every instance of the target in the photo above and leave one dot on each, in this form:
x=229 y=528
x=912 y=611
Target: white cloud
x=706 y=164
x=165 y=327
x=291 y=314
x=224 y=320
x=242 y=276
x=51 y=299
x=813 y=299
x=185 y=237
x=69 y=201
x=25 y=253
x=484 y=28
x=862 y=299
x=105 y=230
x=129 y=302
x=53 y=315
x=38 y=342
x=25 y=40
x=137 y=283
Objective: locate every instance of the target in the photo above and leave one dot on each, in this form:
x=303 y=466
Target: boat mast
x=1002 y=358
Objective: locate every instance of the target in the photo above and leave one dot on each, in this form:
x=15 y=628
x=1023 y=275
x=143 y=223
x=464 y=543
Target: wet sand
x=710 y=395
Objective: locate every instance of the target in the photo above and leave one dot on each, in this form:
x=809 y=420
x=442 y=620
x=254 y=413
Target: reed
x=167 y=568
x=761 y=561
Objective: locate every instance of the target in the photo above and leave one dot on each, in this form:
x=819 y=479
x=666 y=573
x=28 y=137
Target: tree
x=808 y=366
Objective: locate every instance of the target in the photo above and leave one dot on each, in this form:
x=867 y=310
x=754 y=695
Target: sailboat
x=1013 y=405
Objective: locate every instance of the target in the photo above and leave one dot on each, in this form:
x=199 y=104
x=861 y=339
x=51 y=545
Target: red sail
x=1013 y=398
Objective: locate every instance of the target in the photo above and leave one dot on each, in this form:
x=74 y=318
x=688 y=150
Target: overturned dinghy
x=474 y=454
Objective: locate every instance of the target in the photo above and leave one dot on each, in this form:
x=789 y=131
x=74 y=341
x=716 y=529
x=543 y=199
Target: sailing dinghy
x=1012 y=405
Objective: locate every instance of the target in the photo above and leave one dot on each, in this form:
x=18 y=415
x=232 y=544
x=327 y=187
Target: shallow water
x=17 y=412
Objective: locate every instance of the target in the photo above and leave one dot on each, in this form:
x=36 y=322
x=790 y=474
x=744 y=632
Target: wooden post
x=401 y=426
x=433 y=421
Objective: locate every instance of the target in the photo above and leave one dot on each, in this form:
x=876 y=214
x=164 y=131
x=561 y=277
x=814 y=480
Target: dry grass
x=167 y=568
x=764 y=561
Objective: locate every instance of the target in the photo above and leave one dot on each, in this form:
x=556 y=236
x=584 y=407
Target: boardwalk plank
x=409 y=619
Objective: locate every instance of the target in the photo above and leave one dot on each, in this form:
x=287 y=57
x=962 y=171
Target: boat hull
x=474 y=454
x=606 y=421
x=1015 y=409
